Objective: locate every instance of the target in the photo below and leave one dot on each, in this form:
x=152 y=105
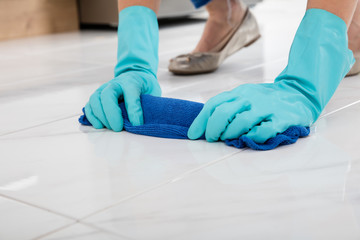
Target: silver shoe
x=203 y=62
x=356 y=68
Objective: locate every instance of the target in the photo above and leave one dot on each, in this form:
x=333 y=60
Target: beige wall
x=23 y=18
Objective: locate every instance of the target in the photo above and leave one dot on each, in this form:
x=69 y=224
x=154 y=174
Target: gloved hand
x=135 y=71
x=319 y=59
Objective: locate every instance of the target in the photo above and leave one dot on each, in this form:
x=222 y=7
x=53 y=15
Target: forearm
x=139 y=33
x=135 y=71
x=342 y=8
x=152 y=4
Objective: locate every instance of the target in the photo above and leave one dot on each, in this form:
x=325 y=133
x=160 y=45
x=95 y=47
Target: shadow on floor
x=163 y=23
x=183 y=21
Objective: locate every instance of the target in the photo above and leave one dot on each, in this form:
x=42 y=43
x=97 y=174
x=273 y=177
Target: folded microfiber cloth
x=171 y=118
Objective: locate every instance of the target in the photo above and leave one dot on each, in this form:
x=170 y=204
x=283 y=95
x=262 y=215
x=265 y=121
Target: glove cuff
x=138 y=41
x=319 y=58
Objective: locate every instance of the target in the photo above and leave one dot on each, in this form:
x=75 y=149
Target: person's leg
x=224 y=15
x=229 y=28
x=344 y=9
x=354 y=31
x=152 y=4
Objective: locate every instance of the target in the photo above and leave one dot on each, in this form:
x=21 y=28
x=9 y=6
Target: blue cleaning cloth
x=171 y=118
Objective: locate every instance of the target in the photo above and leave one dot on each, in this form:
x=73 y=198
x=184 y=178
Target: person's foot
x=231 y=27
x=224 y=17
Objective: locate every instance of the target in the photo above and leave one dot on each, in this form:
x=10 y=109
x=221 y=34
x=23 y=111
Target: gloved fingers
x=97 y=108
x=242 y=124
x=96 y=123
x=133 y=105
x=222 y=116
x=198 y=127
x=263 y=132
x=110 y=102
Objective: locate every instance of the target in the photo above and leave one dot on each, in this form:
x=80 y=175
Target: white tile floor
x=59 y=180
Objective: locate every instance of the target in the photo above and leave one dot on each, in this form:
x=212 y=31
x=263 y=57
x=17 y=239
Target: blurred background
x=24 y=18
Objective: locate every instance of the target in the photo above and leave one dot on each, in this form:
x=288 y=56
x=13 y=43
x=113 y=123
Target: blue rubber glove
x=135 y=71
x=319 y=59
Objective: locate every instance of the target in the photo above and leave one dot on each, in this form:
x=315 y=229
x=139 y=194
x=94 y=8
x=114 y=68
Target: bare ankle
x=354 y=37
x=224 y=16
x=226 y=12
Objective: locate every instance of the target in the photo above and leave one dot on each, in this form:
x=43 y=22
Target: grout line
x=71 y=47
x=54 y=231
x=39 y=207
x=35 y=126
x=105 y=230
x=81 y=220
x=260 y=65
x=53 y=75
x=194 y=170
x=75 y=220
x=160 y=185
x=54 y=134
x=339 y=109
x=86 y=61
x=93 y=227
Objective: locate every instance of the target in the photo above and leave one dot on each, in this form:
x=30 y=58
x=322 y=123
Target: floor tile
x=81 y=232
x=54 y=43
x=42 y=101
x=79 y=170
x=304 y=191
x=32 y=68
x=20 y=221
